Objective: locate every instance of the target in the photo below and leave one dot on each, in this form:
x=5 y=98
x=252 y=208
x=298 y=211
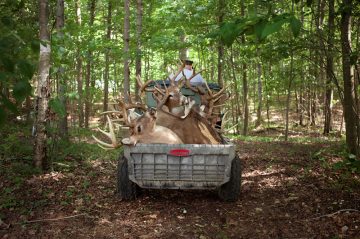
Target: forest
x=291 y=73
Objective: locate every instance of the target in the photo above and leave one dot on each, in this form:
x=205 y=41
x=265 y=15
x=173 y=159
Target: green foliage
x=18 y=56
x=260 y=27
x=349 y=163
x=57 y=106
x=339 y=159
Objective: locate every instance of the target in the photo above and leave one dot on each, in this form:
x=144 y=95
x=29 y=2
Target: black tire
x=126 y=189
x=230 y=191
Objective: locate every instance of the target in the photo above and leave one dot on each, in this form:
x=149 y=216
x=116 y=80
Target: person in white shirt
x=188 y=72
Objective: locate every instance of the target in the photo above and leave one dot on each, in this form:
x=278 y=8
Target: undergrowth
x=16 y=157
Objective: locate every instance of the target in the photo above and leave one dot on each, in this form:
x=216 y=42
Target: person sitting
x=188 y=72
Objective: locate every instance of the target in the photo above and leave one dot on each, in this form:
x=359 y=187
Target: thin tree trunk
x=126 y=38
x=245 y=83
x=268 y=93
x=79 y=70
x=348 y=77
x=107 y=61
x=88 y=69
x=301 y=100
x=259 y=84
x=289 y=96
x=139 y=14
x=43 y=90
x=184 y=51
x=221 y=10
x=329 y=69
x=60 y=21
x=237 y=103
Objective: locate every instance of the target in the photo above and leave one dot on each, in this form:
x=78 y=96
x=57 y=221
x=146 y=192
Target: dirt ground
x=286 y=193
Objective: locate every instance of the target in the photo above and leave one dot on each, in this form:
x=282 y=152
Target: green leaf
x=7 y=21
x=259 y=28
x=354 y=56
x=2 y=116
x=295 y=26
x=338 y=165
x=26 y=68
x=8 y=64
x=8 y=104
x=3 y=77
x=35 y=46
x=228 y=33
x=21 y=90
x=57 y=106
x=272 y=27
x=352 y=156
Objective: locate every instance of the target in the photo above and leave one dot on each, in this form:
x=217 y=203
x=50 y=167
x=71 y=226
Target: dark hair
x=188 y=62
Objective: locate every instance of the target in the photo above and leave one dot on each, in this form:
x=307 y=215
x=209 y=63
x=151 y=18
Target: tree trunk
x=348 y=77
x=268 y=96
x=245 y=84
x=301 y=100
x=184 y=51
x=126 y=38
x=107 y=61
x=329 y=70
x=79 y=69
x=139 y=14
x=221 y=10
x=88 y=69
x=43 y=90
x=259 y=84
x=289 y=96
x=63 y=124
x=237 y=101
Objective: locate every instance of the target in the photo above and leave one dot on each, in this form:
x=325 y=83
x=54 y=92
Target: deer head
x=145 y=130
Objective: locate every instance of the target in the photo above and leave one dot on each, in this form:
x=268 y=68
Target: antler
x=172 y=80
x=188 y=84
x=111 y=135
x=128 y=106
x=211 y=95
x=143 y=87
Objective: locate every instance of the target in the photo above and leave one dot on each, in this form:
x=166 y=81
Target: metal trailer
x=179 y=166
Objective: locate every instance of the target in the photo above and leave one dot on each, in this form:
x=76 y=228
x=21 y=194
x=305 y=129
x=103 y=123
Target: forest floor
x=289 y=190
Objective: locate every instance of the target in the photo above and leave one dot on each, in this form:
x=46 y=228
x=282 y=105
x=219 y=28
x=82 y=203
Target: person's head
x=188 y=64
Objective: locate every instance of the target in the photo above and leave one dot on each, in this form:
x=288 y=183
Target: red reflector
x=179 y=152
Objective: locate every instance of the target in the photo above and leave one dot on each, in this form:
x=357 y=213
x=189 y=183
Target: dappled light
x=180 y=119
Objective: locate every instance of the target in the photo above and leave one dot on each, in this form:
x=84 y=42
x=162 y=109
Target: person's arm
x=198 y=79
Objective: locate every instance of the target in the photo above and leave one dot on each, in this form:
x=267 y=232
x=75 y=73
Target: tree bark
x=43 y=90
x=107 y=61
x=126 y=38
x=329 y=69
x=259 y=84
x=139 y=14
x=289 y=96
x=60 y=21
x=245 y=84
x=221 y=10
x=184 y=51
x=348 y=77
x=88 y=68
x=79 y=69
x=237 y=101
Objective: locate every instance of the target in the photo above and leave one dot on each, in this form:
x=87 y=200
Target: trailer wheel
x=230 y=191
x=126 y=189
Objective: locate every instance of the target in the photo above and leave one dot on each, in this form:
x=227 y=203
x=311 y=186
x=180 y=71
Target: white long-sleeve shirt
x=188 y=73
